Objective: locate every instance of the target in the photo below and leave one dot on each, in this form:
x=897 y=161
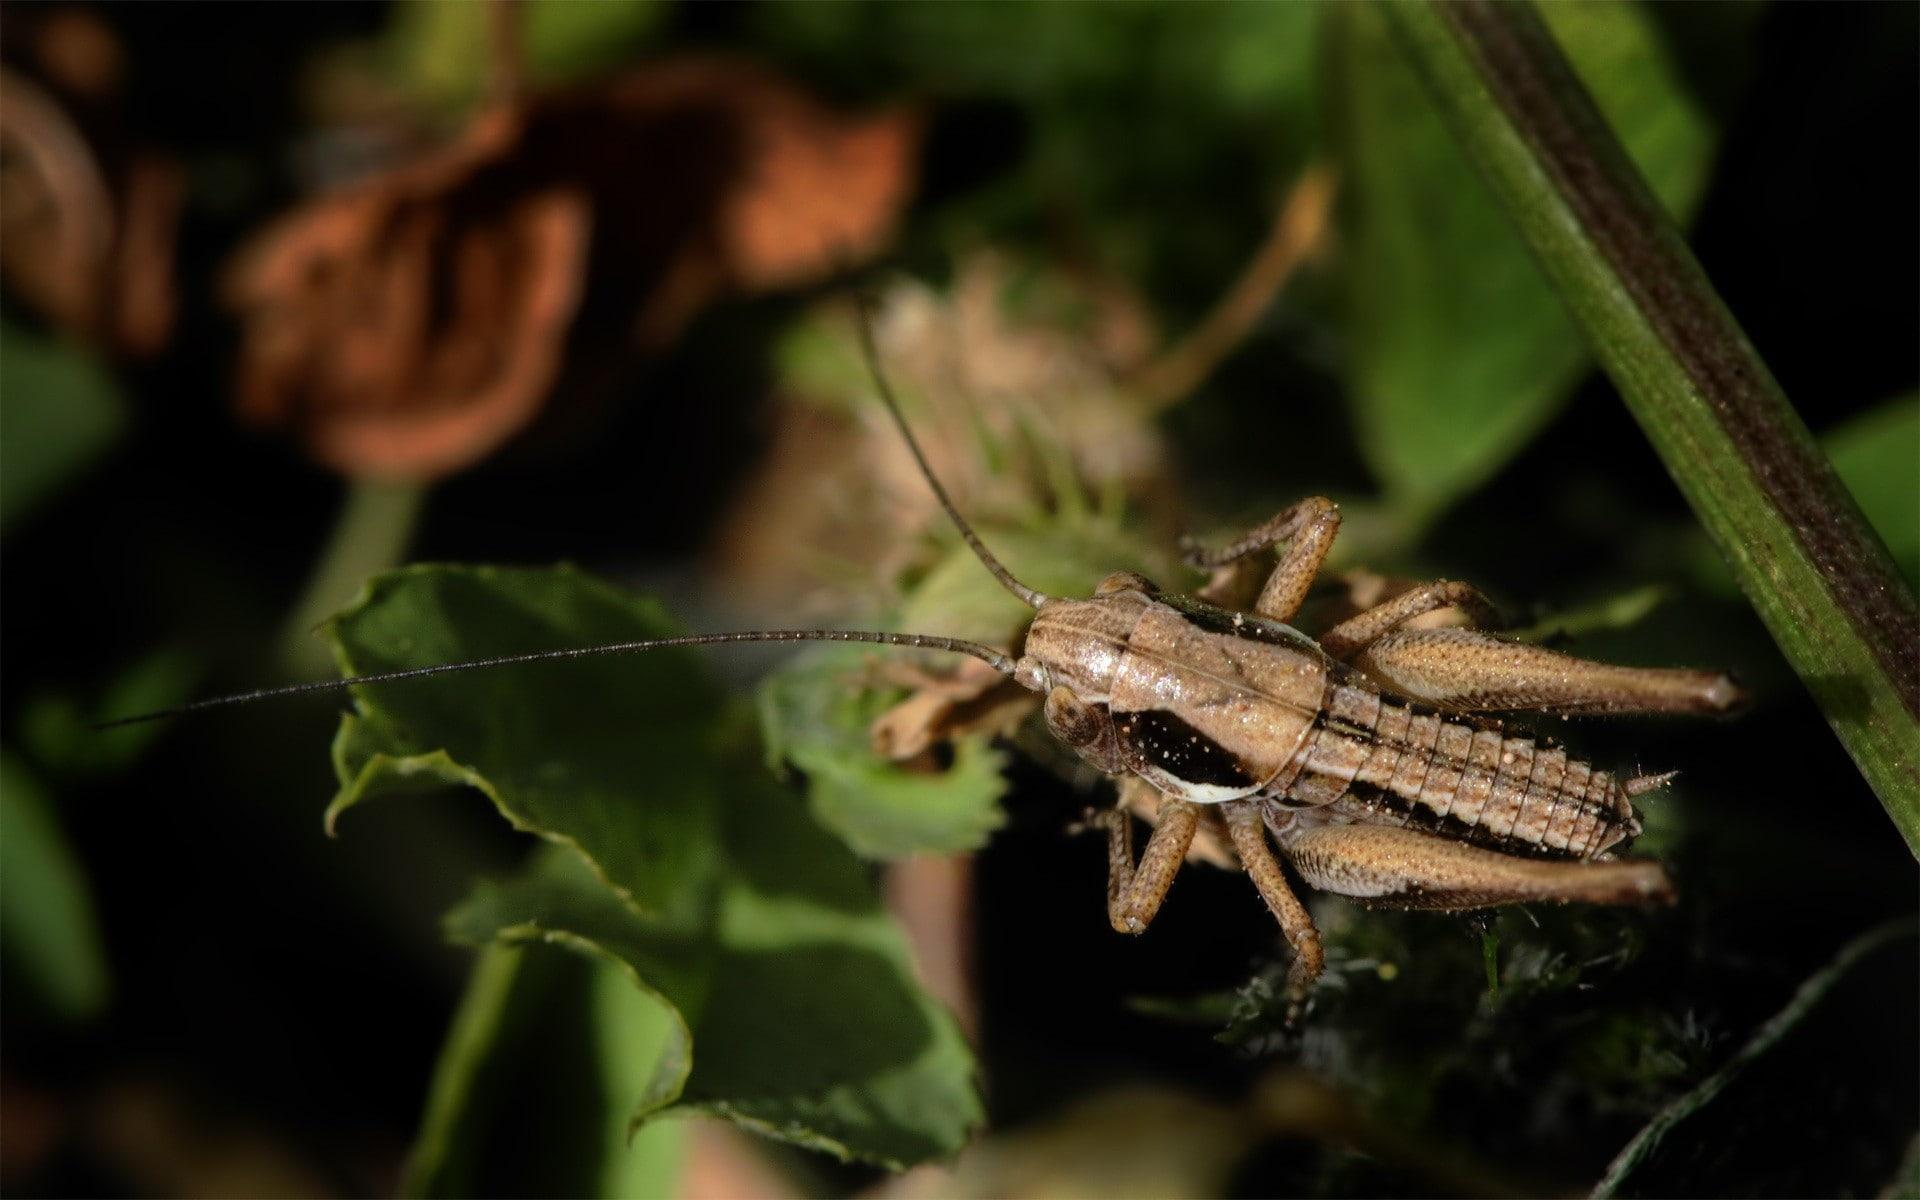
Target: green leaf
x=1460 y=351
x=958 y=597
x=47 y=930
x=633 y=1033
x=793 y=1008
x=1878 y=457
x=1620 y=611
x=745 y=932
x=816 y=713
x=440 y=48
x=568 y=40
x=570 y=751
x=1126 y=111
x=59 y=411
x=547 y=1054
x=56 y=730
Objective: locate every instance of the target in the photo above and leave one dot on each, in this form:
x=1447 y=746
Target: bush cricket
x=1362 y=756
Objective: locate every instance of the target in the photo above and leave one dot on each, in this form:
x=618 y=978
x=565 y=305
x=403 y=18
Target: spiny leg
x=1469 y=671
x=1308 y=528
x=1356 y=632
x=1142 y=801
x=1405 y=868
x=1134 y=894
x=1249 y=833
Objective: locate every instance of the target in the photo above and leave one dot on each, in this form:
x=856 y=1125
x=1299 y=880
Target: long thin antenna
x=1033 y=598
x=987 y=654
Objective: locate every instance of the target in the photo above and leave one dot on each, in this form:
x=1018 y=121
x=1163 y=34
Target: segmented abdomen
x=1376 y=760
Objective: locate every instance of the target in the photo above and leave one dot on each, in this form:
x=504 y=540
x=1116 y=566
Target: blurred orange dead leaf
x=410 y=324
x=86 y=234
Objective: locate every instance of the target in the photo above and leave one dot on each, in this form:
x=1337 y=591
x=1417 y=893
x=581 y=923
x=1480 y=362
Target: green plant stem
x=1809 y=563
x=371 y=534
x=441 y=1150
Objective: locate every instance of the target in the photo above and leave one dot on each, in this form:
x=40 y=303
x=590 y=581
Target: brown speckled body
x=1209 y=706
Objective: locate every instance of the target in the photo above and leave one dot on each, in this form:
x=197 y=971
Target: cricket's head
x=1077 y=644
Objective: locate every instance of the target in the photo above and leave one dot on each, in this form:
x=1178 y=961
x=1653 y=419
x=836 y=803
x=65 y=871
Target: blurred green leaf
x=1067 y=557
x=571 y=39
x=440 y=49
x=1620 y=611
x=59 y=411
x=47 y=929
x=1878 y=456
x=792 y=1008
x=633 y=1032
x=547 y=1054
x=735 y=921
x=1460 y=350
x=1122 y=113
x=56 y=731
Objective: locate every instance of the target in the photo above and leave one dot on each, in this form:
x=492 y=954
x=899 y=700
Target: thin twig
x=1299 y=230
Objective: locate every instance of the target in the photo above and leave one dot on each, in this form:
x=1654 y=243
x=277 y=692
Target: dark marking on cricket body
x=1210 y=619
x=1160 y=738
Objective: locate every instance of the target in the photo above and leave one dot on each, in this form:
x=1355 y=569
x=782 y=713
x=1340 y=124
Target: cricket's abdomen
x=1374 y=760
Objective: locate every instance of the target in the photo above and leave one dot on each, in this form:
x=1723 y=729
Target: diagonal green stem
x=1807 y=560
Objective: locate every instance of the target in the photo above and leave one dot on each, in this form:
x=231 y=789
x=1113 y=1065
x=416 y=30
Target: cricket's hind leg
x=1307 y=527
x=1466 y=670
x=1405 y=868
x=1135 y=893
x=1362 y=630
x=1249 y=832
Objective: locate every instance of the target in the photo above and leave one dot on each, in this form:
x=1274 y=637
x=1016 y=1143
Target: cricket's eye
x=1125 y=581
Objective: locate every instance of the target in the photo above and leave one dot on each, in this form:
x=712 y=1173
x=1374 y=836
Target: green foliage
x=47 y=929
x=1460 y=351
x=550 y=1052
x=1647 y=1144
x=59 y=411
x=816 y=713
x=752 y=938
x=1125 y=111
x=56 y=732
x=1730 y=438
x=439 y=48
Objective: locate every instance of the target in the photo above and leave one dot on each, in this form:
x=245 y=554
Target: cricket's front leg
x=1405 y=868
x=1134 y=894
x=1308 y=528
x=1466 y=670
x=1249 y=832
